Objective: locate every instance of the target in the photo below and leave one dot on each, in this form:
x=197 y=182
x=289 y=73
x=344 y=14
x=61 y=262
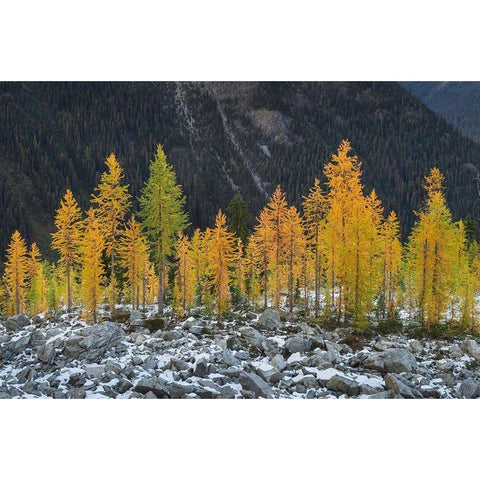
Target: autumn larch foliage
x=112 y=202
x=36 y=296
x=185 y=275
x=315 y=208
x=67 y=236
x=342 y=249
x=15 y=275
x=219 y=251
x=432 y=249
x=92 y=269
x=133 y=252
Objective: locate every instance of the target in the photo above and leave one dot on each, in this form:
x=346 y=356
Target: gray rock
x=333 y=347
x=113 y=367
x=428 y=391
x=269 y=373
x=22 y=343
x=339 y=383
x=242 y=355
x=445 y=365
x=38 y=338
x=123 y=385
x=25 y=374
x=255 y=384
x=324 y=359
x=298 y=344
x=90 y=343
x=358 y=359
x=151 y=395
x=384 y=344
x=16 y=323
x=401 y=386
x=448 y=379
x=135 y=315
x=76 y=393
x=173 y=335
x=136 y=395
x=150 y=363
x=228 y=392
x=94 y=371
x=455 y=351
x=229 y=359
x=178 y=390
x=201 y=368
x=252 y=336
x=381 y=395
x=369 y=390
x=417 y=347
x=307 y=329
x=77 y=380
x=155 y=385
x=46 y=353
x=392 y=360
x=471 y=348
x=300 y=388
x=196 y=330
x=270 y=320
x=278 y=362
x=469 y=389
x=309 y=381
x=178 y=364
x=192 y=322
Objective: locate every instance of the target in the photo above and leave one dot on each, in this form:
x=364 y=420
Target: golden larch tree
x=432 y=250
x=276 y=210
x=315 y=208
x=238 y=267
x=197 y=254
x=391 y=264
x=92 y=270
x=15 y=275
x=185 y=275
x=260 y=243
x=219 y=249
x=252 y=274
x=112 y=202
x=37 y=289
x=66 y=238
x=293 y=239
x=351 y=236
x=132 y=250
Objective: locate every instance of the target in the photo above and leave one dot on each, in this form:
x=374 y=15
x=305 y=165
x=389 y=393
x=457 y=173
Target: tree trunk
x=265 y=282
x=112 y=284
x=161 y=287
x=69 y=290
x=316 y=274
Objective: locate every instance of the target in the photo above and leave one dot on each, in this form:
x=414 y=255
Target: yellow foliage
x=219 y=250
x=15 y=275
x=92 y=271
x=67 y=237
x=112 y=201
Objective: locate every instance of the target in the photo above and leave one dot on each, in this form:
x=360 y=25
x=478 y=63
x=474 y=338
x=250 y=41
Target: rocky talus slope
x=251 y=356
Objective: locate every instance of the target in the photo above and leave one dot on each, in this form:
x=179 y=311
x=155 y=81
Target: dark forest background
x=222 y=138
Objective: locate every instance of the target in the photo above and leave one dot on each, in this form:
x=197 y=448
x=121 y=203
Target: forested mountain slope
x=221 y=138
x=457 y=102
